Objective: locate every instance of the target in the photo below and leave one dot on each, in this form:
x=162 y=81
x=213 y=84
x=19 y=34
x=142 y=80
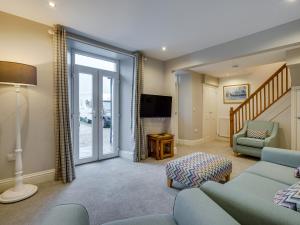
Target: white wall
x=27 y=42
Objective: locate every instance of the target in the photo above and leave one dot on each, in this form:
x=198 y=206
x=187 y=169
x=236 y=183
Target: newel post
x=231 y=126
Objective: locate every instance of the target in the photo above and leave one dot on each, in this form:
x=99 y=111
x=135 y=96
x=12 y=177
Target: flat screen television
x=155 y=106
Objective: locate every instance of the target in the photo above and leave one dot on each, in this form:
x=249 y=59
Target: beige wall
x=27 y=42
x=280 y=112
x=254 y=79
x=190 y=105
x=293 y=62
x=274 y=38
x=154 y=77
x=154 y=83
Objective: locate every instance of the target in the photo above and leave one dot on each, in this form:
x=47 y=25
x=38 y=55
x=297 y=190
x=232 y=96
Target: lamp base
x=10 y=195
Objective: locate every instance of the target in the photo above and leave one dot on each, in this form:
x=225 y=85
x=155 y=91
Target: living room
x=76 y=146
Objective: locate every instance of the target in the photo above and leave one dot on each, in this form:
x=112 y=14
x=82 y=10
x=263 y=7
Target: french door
x=95 y=114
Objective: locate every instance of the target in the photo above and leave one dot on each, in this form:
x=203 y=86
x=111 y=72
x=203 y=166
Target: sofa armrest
x=283 y=157
x=69 y=214
x=242 y=133
x=192 y=206
x=249 y=209
x=273 y=140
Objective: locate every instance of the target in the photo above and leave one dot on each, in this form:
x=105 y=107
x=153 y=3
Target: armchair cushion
x=251 y=142
x=261 y=125
x=259 y=134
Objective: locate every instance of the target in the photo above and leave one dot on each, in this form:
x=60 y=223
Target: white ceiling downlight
x=52 y=4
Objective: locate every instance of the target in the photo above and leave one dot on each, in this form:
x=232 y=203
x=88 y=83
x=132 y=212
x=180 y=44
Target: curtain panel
x=138 y=125
x=64 y=163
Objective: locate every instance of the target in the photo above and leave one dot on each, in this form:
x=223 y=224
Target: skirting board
x=190 y=142
x=220 y=138
x=33 y=178
x=126 y=154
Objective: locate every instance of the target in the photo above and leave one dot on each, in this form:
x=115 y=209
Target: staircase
x=263 y=98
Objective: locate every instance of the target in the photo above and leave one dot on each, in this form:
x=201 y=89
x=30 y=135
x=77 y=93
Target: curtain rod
x=98 y=44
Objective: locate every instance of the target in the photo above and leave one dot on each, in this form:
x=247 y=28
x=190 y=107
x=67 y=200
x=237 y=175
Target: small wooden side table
x=160 y=146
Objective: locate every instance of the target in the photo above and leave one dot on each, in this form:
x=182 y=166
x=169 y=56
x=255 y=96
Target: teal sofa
x=252 y=146
x=191 y=207
x=248 y=197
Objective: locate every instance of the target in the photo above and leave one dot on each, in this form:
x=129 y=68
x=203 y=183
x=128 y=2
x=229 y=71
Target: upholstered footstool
x=194 y=169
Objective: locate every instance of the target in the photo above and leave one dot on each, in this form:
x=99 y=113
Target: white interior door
x=95 y=112
x=210 y=100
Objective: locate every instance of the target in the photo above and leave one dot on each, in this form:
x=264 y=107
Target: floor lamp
x=18 y=74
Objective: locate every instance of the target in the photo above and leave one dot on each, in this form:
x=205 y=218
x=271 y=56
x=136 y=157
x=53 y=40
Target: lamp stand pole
x=20 y=191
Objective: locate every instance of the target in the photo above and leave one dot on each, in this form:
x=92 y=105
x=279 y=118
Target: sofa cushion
x=194 y=207
x=162 y=219
x=282 y=174
x=262 y=187
x=251 y=142
x=289 y=198
x=248 y=208
x=68 y=214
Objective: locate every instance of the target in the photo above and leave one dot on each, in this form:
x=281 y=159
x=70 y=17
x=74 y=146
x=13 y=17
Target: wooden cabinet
x=160 y=146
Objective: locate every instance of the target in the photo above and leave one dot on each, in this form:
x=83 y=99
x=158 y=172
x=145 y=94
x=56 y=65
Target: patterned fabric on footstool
x=194 y=169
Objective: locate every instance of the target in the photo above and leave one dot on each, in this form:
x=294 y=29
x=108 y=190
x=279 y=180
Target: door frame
x=209 y=138
x=98 y=75
x=294 y=116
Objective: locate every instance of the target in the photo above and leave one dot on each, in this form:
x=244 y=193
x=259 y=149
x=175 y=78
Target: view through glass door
x=95 y=108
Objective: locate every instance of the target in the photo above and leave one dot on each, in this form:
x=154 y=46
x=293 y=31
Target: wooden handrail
x=275 y=87
x=260 y=87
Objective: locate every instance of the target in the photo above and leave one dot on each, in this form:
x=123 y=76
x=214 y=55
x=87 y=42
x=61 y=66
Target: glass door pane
x=85 y=116
x=85 y=120
x=107 y=124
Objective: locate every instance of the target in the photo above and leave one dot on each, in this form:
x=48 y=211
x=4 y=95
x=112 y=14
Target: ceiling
x=184 y=26
x=243 y=65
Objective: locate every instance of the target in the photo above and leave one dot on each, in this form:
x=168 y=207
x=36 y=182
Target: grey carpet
x=113 y=189
x=110 y=190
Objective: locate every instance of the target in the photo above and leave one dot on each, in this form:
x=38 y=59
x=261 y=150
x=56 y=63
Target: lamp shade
x=17 y=73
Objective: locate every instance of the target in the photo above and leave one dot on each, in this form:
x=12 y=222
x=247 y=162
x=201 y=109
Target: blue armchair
x=252 y=146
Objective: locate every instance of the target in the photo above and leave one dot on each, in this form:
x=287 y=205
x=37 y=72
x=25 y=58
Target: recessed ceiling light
x=291 y=1
x=52 y=4
x=164 y=48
